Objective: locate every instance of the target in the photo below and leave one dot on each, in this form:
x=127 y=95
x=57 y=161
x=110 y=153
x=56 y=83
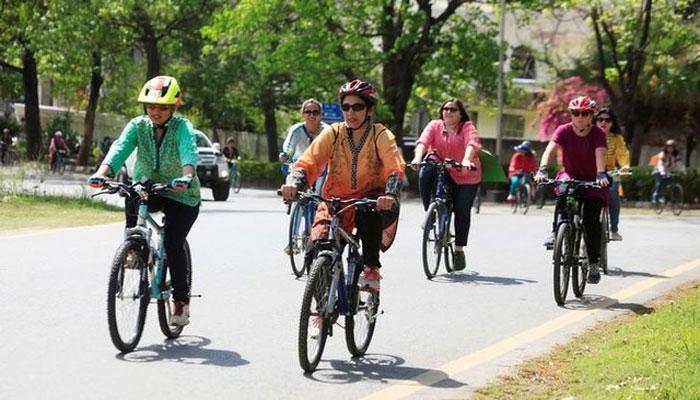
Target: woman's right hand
x=289 y=192
x=96 y=181
x=415 y=164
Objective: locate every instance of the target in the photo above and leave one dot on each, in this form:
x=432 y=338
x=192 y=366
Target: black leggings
x=591 y=223
x=179 y=219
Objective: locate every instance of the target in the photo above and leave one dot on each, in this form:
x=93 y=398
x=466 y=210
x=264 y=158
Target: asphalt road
x=436 y=339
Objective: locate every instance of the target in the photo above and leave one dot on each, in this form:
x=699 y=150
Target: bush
x=260 y=174
x=640 y=185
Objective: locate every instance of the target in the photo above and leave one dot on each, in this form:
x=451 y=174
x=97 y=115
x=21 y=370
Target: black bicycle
x=570 y=259
x=59 y=162
x=332 y=291
x=141 y=256
x=670 y=196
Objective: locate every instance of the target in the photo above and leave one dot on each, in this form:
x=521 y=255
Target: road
x=436 y=339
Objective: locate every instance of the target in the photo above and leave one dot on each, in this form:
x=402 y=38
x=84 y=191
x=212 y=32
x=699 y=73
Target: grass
x=649 y=356
x=25 y=211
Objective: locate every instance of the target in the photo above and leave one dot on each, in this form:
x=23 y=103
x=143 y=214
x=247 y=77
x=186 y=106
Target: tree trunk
x=32 y=124
x=271 y=130
x=96 y=81
x=150 y=45
x=397 y=79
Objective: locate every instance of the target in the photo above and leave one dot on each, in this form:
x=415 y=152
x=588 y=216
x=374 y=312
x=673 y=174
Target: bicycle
x=438 y=239
x=332 y=291
x=570 y=259
x=523 y=195
x=605 y=226
x=235 y=177
x=9 y=156
x=299 y=243
x=140 y=272
x=671 y=195
x=59 y=162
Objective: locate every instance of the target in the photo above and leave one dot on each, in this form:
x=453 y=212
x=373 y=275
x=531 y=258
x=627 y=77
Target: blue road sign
x=331 y=112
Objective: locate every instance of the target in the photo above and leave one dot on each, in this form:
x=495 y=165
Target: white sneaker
x=181 y=314
x=615 y=236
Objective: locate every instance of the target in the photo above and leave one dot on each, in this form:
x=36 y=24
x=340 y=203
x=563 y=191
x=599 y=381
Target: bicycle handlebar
x=574 y=182
x=150 y=188
x=445 y=163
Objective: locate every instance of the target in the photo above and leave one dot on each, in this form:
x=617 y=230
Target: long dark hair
x=615 y=126
x=463 y=116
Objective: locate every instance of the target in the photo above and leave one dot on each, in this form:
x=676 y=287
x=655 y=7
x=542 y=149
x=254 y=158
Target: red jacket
x=524 y=162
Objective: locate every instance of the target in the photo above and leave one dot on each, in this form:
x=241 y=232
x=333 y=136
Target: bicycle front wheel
x=604 y=239
x=237 y=183
x=432 y=245
x=298 y=242
x=448 y=246
x=563 y=254
x=676 y=199
x=523 y=198
x=164 y=304
x=313 y=326
x=127 y=296
x=359 y=327
x=579 y=271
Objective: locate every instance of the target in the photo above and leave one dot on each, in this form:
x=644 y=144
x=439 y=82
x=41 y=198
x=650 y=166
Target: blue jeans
x=462 y=200
x=614 y=206
x=516 y=181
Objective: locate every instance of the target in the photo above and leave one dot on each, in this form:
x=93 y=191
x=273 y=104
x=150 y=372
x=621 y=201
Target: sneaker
x=549 y=242
x=181 y=313
x=593 y=274
x=615 y=236
x=460 y=261
x=369 y=279
x=287 y=250
x=510 y=198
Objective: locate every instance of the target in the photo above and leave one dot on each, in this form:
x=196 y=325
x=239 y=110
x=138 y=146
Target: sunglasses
x=355 y=107
x=580 y=113
x=450 y=109
x=312 y=112
x=606 y=120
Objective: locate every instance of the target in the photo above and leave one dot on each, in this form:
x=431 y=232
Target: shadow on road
x=615 y=271
x=187 y=350
x=474 y=278
x=590 y=302
x=381 y=368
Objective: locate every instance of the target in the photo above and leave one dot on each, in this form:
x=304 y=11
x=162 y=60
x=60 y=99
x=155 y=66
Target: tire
x=61 y=166
x=164 y=304
x=127 y=296
x=449 y=248
x=220 y=191
x=604 y=239
x=359 y=327
x=524 y=198
x=432 y=247
x=540 y=196
x=579 y=272
x=676 y=199
x=316 y=293
x=658 y=206
x=562 y=256
x=236 y=183
x=298 y=239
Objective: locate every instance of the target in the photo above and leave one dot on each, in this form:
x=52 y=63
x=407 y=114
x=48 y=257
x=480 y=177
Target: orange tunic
x=378 y=158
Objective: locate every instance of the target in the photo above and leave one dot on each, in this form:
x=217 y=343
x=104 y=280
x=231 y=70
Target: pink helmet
x=582 y=103
x=359 y=88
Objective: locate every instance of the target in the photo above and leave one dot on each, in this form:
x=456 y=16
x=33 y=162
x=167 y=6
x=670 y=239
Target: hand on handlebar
x=289 y=192
x=602 y=179
x=181 y=183
x=96 y=181
x=385 y=203
x=542 y=174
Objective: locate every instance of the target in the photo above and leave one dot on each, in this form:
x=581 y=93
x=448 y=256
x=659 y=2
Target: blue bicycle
x=438 y=239
x=299 y=246
x=140 y=256
x=332 y=291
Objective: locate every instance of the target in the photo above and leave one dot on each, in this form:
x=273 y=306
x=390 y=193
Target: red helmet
x=359 y=88
x=582 y=103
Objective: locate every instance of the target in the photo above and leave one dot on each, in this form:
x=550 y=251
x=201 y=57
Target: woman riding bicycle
x=522 y=165
x=58 y=143
x=618 y=156
x=583 y=151
x=167 y=153
x=668 y=160
x=453 y=137
x=363 y=160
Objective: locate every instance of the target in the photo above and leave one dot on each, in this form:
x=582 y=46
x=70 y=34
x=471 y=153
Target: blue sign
x=331 y=112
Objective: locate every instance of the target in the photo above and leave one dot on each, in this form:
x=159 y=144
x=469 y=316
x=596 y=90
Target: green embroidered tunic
x=158 y=163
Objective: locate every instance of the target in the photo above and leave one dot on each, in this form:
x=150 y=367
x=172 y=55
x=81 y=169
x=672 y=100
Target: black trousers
x=179 y=219
x=592 y=207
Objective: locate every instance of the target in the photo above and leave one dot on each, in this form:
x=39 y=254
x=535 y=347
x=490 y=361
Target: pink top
x=453 y=146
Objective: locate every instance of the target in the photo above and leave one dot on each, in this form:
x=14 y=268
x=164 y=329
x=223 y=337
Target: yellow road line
x=408 y=387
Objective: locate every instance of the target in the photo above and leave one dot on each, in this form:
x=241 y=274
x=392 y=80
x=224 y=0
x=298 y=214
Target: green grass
x=24 y=211
x=651 y=356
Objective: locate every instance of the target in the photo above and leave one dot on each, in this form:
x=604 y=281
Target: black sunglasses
x=606 y=120
x=312 y=112
x=580 y=113
x=355 y=107
x=450 y=109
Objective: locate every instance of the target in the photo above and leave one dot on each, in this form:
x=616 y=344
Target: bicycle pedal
x=195 y=295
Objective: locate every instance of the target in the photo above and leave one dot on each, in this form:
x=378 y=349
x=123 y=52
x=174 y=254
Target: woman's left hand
x=385 y=203
x=468 y=165
x=181 y=183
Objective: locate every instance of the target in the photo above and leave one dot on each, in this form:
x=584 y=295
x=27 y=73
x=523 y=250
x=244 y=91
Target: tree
x=19 y=23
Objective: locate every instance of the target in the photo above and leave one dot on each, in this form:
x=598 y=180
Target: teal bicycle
x=139 y=271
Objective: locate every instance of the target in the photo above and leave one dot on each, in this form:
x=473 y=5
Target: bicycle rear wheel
x=676 y=199
x=298 y=239
x=579 y=268
x=432 y=245
x=164 y=303
x=359 y=327
x=604 y=239
x=563 y=254
x=61 y=167
x=313 y=326
x=449 y=243
x=127 y=296
x=523 y=198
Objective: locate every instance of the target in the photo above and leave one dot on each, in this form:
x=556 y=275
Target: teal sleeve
x=122 y=147
x=187 y=145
